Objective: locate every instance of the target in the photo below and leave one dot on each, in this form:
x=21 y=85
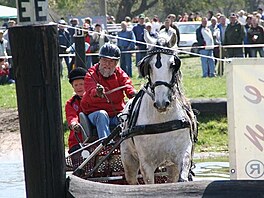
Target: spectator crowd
x=234 y=32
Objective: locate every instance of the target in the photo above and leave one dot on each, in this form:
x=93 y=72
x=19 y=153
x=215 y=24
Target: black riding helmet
x=109 y=50
x=77 y=73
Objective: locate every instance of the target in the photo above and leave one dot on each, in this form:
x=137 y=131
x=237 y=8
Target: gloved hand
x=100 y=91
x=134 y=94
x=75 y=127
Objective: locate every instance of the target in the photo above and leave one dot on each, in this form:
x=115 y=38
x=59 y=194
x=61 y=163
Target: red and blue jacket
x=72 y=110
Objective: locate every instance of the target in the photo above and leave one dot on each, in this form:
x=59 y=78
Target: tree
x=10 y=3
x=130 y=7
x=253 y=4
x=66 y=7
x=203 y=6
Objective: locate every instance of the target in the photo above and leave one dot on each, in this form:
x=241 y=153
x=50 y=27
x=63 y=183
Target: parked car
x=188 y=35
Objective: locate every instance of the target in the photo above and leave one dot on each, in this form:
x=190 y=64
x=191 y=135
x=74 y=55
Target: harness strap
x=134 y=109
x=155 y=128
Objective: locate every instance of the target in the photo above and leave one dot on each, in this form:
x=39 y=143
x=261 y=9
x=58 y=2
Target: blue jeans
x=126 y=63
x=102 y=121
x=67 y=61
x=140 y=55
x=88 y=61
x=208 y=65
x=254 y=50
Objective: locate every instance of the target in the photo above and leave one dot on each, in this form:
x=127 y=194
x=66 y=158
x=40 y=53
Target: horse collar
x=158 y=50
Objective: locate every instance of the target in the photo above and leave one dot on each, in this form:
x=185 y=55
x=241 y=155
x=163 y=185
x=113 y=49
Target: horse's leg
x=173 y=173
x=130 y=162
x=131 y=168
x=185 y=167
x=147 y=172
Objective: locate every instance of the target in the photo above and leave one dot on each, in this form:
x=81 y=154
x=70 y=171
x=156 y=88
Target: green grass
x=8 y=96
x=197 y=87
x=213 y=135
x=212 y=130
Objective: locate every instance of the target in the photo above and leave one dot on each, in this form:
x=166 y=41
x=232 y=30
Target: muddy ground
x=10 y=141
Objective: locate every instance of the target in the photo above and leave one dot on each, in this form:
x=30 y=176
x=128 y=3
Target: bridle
x=145 y=70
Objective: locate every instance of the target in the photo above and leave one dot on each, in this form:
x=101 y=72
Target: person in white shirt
x=3 y=45
x=206 y=42
x=241 y=17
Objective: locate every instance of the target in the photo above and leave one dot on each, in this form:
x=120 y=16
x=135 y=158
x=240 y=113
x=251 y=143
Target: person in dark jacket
x=125 y=45
x=139 y=34
x=246 y=27
x=64 y=43
x=234 y=35
x=256 y=36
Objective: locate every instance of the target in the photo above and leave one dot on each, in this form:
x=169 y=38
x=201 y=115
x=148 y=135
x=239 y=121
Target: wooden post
x=80 y=60
x=35 y=56
x=221 y=63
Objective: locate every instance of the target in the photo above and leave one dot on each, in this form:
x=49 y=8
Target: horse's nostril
x=167 y=103
x=155 y=104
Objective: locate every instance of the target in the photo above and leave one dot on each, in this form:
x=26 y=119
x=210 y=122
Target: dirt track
x=10 y=141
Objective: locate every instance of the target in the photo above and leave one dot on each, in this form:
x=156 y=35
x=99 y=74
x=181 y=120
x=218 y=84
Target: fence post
x=35 y=56
x=221 y=63
x=80 y=59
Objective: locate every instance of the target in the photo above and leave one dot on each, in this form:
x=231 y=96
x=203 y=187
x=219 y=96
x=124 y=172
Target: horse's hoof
x=182 y=180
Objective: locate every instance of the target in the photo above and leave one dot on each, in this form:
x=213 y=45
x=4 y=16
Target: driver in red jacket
x=106 y=85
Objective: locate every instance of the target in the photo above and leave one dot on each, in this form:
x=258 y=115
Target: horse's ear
x=177 y=63
x=143 y=65
x=173 y=40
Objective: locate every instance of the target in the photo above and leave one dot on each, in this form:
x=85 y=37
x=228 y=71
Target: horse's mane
x=180 y=95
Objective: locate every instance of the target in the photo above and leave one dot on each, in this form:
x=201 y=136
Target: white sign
x=32 y=11
x=245 y=102
x=79 y=33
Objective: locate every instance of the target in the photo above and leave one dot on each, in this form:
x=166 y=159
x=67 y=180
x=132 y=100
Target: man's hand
x=100 y=91
x=75 y=127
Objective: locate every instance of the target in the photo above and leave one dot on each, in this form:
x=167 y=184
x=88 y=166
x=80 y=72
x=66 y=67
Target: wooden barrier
x=207 y=189
x=210 y=106
x=35 y=56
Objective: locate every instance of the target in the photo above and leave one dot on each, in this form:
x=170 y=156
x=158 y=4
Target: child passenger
x=73 y=108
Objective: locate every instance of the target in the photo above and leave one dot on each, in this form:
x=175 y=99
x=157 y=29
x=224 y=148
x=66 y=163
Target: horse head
x=161 y=66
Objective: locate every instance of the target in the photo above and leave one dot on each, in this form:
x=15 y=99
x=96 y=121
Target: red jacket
x=4 y=72
x=72 y=110
x=87 y=39
x=90 y=102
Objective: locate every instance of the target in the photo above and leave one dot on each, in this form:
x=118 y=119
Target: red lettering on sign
x=254 y=137
x=257 y=97
x=261 y=80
